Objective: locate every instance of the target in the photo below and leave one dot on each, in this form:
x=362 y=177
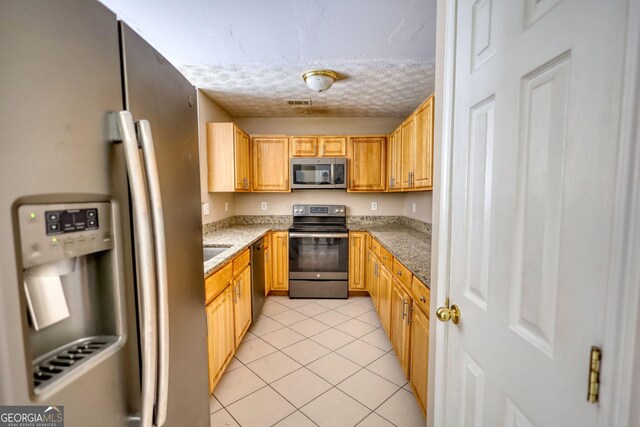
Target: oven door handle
x=319 y=235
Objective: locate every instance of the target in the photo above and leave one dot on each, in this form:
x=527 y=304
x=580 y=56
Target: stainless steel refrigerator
x=101 y=273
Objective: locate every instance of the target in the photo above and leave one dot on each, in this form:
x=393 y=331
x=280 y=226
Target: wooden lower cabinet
x=280 y=262
x=385 y=282
x=242 y=300
x=400 y=327
x=357 y=261
x=419 y=363
x=220 y=334
x=371 y=277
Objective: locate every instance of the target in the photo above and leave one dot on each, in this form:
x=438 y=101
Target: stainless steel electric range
x=319 y=252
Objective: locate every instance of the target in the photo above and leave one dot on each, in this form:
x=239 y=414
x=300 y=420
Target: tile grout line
x=310 y=337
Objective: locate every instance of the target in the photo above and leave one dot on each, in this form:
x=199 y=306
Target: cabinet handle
x=399 y=273
x=410 y=315
x=404 y=302
x=375 y=270
x=423 y=299
x=235 y=293
x=239 y=288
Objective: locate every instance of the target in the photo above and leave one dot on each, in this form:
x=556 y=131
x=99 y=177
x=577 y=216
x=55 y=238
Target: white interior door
x=538 y=87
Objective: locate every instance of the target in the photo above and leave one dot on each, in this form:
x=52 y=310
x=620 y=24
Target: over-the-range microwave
x=314 y=173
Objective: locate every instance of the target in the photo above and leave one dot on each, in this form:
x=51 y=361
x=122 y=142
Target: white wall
x=209 y=111
x=357 y=203
x=423 y=201
x=319 y=125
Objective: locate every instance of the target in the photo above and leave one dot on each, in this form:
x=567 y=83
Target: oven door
x=318 y=256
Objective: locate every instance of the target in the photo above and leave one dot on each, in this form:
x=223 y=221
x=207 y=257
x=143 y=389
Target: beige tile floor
x=315 y=363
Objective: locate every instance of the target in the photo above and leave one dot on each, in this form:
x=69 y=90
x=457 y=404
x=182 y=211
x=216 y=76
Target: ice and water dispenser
x=70 y=272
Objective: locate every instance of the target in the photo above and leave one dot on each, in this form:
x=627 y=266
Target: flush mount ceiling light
x=320 y=80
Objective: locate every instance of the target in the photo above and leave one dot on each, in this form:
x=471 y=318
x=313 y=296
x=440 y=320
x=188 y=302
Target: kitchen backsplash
x=415 y=224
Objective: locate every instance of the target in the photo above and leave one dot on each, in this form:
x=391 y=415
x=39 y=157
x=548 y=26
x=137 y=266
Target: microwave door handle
x=333 y=174
x=157 y=218
x=147 y=279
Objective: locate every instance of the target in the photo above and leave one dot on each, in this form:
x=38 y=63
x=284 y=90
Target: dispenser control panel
x=51 y=232
x=71 y=220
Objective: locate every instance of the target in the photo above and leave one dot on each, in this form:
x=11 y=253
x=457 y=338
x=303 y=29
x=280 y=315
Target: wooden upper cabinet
x=367 y=163
x=227 y=158
x=395 y=160
x=408 y=152
x=242 y=161
x=332 y=146
x=270 y=163
x=423 y=159
x=304 y=146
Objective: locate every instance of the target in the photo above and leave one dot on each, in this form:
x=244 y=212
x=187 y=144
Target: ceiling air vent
x=298 y=102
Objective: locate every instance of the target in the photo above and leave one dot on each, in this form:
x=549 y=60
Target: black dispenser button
x=63 y=363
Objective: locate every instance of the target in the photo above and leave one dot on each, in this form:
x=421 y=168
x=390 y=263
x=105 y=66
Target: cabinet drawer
x=217 y=282
x=386 y=258
x=375 y=247
x=240 y=262
x=421 y=295
x=402 y=273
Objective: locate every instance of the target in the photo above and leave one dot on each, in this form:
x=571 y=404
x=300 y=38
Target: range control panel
x=51 y=232
x=320 y=210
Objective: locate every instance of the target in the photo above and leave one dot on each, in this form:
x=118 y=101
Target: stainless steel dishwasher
x=257 y=278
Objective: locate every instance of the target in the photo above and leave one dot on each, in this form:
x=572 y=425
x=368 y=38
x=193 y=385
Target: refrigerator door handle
x=157 y=218
x=147 y=279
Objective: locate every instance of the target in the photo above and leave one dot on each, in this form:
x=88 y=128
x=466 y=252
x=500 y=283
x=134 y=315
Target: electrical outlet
x=374 y=206
x=263 y=206
x=413 y=207
x=226 y=206
x=205 y=209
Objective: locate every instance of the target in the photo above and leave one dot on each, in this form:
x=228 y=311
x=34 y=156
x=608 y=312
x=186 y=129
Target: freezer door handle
x=146 y=265
x=157 y=218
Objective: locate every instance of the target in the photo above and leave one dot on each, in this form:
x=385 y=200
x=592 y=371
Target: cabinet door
x=241 y=140
x=280 y=263
x=304 y=146
x=408 y=152
x=220 y=334
x=267 y=271
x=367 y=165
x=332 y=146
x=356 y=261
x=384 y=298
x=400 y=330
x=242 y=299
x=423 y=158
x=420 y=356
x=396 y=160
x=222 y=174
x=270 y=164
x=371 y=277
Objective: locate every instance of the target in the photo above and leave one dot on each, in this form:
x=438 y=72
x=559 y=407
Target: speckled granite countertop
x=411 y=247
x=237 y=237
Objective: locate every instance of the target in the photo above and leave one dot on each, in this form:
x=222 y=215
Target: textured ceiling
x=249 y=55
x=371 y=88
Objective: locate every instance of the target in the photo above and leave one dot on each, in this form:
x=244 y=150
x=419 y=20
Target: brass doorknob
x=444 y=314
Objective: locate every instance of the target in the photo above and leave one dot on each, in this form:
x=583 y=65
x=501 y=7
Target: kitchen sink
x=210 y=252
